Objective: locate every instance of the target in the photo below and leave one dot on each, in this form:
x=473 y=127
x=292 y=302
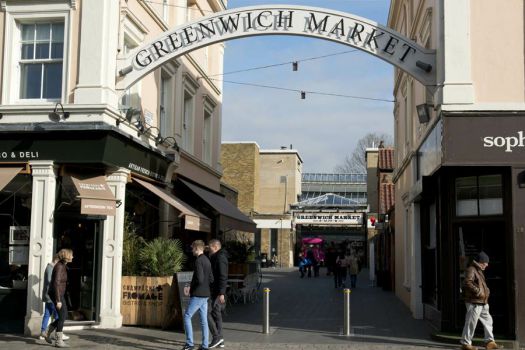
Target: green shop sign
x=85 y=147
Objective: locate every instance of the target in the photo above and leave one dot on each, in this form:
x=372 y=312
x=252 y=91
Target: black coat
x=219 y=267
x=202 y=278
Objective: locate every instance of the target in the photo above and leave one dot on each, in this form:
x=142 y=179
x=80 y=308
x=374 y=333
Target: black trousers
x=62 y=315
x=215 y=317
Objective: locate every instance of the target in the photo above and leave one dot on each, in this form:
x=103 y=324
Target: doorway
x=490 y=237
x=82 y=235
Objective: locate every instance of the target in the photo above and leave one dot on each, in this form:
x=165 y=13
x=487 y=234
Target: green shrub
x=161 y=257
x=132 y=245
x=237 y=251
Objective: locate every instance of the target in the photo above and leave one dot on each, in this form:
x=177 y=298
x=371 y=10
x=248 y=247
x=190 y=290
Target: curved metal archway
x=340 y=27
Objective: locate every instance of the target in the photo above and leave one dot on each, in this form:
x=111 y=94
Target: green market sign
x=343 y=28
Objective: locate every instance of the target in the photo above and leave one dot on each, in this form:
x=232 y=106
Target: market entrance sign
x=340 y=27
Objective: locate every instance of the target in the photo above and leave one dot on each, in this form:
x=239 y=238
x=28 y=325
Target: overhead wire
x=277 y=65
x=305 y=91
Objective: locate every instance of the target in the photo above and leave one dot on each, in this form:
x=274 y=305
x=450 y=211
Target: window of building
x=479 y=195
x=41 y=60
x=207 y=136
x=190 y=87
x=165 y=104
x=187 y=122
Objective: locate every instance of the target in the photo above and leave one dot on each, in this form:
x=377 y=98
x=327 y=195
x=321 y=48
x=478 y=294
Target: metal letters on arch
x=340 y=27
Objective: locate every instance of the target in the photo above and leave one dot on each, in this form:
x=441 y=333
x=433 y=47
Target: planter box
x=238 y=269
x=148 y=301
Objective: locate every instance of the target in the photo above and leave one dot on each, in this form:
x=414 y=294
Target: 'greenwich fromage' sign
x=340 y=27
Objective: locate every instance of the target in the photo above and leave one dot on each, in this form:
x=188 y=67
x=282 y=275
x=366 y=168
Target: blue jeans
x=200 y=304
x=49 y=309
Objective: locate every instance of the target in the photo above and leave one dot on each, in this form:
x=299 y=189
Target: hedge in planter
x=150 y=299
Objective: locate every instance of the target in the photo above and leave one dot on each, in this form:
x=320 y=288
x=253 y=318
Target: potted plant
x=238 y=253
x=147 y=269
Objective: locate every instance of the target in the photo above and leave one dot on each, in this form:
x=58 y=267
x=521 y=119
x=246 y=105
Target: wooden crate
x=148 y=301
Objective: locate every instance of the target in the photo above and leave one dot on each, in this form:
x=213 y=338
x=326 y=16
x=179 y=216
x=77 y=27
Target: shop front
x=66 y=189
x=340 y=230
x=474 y=202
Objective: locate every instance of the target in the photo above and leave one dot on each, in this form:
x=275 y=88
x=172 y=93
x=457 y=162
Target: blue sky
x=324 y=129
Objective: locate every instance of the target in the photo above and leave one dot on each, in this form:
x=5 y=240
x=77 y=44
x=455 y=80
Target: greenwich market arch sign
x=340 y=27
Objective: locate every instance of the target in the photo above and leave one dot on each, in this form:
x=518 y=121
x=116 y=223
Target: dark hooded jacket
x=219 y=267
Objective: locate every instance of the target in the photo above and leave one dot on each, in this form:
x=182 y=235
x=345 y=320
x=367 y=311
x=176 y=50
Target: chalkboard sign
x=183 y=279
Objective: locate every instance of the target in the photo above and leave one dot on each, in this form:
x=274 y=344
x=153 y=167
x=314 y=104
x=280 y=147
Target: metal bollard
x=266 y=311
x=346 y=328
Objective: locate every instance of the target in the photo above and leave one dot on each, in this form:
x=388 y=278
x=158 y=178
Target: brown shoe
x=493 y=345
x=468 y=347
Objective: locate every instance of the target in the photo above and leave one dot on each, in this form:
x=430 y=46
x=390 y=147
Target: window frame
x=12 y=71
x=168 y=77
x=207 y=130
x=189 y=87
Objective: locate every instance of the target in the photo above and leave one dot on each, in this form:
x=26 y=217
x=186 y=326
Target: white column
x=41 y=240
x=416 y=297
x=454 y=52
x=98 y=53
x=111 y=269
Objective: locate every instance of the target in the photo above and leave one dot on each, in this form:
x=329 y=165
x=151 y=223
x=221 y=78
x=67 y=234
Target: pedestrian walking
x=199 y=292
x=219 y=268
x=312 y=264
x=340 y=276
x=49 y=307
x=303 y=264
x=476 y=295
x=353 y=269
x=57 y=291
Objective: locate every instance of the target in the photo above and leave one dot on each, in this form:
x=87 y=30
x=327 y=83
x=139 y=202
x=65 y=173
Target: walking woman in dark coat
x=57 y=290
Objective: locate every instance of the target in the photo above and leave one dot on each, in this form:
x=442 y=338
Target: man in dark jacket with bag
x=219 y=267
x=476 y=295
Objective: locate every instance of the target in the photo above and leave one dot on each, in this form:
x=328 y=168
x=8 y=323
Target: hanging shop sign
x=328 y=218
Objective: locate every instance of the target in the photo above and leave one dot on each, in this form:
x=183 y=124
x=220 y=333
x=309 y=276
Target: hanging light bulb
x=295 y=66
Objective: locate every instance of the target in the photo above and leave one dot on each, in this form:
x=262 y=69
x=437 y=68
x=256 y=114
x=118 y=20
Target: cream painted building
x=268 y=182
x=62 y=119
x=459 y=177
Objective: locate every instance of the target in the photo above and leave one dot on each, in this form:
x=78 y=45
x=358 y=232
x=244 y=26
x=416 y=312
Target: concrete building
x=79 y=157
x=268 y=182
x=459 y=179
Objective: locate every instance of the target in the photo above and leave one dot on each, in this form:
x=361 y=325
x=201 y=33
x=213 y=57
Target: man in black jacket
x=199 y=292
x=219 y=266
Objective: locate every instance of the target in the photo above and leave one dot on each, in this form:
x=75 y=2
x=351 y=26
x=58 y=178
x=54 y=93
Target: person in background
x=303 y=264
x=219 y=268
x=476 y=295
x=312 y=263
x=57 y=291
x=342 y=264
x=353 y=269
x=199 y=292
x=49 y=307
